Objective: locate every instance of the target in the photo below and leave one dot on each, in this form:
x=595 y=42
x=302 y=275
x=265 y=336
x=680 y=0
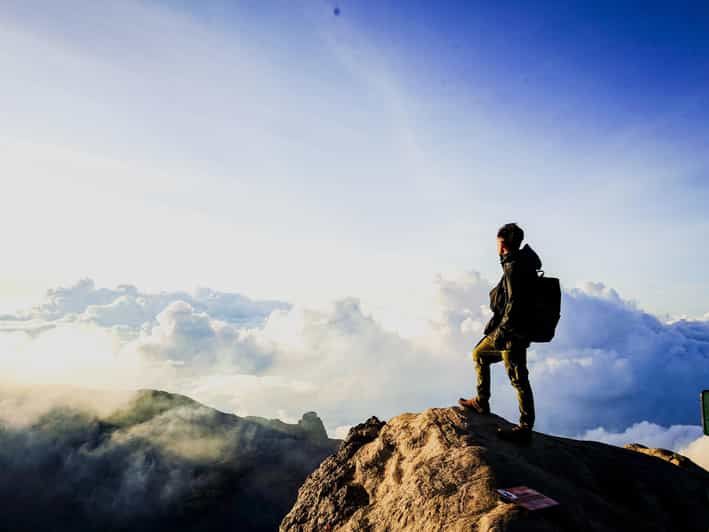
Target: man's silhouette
x=507 y=332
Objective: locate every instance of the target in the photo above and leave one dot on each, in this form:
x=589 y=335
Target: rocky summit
x=440 y=469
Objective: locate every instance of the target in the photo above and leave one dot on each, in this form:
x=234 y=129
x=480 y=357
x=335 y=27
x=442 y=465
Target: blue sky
x=395 y=134
x=357 y=167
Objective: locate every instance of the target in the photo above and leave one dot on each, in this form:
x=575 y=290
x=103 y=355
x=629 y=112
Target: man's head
x=509 y=238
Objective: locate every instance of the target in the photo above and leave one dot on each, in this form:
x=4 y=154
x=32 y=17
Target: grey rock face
x=313 y=426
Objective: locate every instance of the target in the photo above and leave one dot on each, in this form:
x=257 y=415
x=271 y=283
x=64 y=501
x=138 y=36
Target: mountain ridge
x=159 y=461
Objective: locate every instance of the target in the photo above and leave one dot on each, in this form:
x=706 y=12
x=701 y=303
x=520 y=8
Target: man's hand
x=498 y=339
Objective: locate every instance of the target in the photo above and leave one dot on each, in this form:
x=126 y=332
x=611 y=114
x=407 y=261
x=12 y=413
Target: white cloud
x=78 y=354
x=675 y=437
x=698 y=451
x=461 y=309
x=342 y=430
x=185 y=337
x=338 y=361
x=127 y=306
x=687 y=440
x=611 y=364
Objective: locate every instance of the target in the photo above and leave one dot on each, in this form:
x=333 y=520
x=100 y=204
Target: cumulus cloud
x=675 y=437
x=611 y=364
x=338 y=361
x=353 y=366
x=98 y=337
x=186 y=337
x=698 y=451
x=461 y=311
x=127 y=306
x=687 y=440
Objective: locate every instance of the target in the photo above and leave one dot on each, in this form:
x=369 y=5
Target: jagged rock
x=667 y=455
x=438 y=470
x=331 y=487
x=313 y=426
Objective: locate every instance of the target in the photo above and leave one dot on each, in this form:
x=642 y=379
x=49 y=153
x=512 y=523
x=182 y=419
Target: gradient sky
x=281 y=151
x=354 y=168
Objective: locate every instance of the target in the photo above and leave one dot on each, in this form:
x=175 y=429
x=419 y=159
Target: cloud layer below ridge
x=612 y=373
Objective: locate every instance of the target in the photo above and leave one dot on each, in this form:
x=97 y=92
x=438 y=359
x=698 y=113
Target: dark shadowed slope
x=438 y=470
x=162 y=462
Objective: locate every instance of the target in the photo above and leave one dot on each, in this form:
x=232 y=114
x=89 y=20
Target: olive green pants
x=515 y=361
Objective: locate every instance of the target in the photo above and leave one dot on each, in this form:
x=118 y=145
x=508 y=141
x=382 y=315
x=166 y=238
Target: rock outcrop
x=665 y=454
x=439 y=470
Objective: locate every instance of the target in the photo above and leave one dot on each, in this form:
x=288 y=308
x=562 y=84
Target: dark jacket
x=511 y=299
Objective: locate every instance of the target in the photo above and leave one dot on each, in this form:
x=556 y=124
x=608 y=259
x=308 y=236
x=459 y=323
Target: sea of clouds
x=613 y=373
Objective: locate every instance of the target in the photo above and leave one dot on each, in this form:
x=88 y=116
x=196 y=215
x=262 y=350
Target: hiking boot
x=517 y=433
x=481 y=407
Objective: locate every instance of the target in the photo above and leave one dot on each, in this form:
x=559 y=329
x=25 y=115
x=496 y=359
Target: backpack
x=546 y=310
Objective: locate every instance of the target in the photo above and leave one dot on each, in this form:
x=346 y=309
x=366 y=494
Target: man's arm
x=516 y=293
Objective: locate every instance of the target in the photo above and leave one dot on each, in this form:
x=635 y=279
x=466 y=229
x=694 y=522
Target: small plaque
x=526 y=497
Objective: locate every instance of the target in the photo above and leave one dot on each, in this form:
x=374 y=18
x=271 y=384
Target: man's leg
x=516 y=365
x=484 y=354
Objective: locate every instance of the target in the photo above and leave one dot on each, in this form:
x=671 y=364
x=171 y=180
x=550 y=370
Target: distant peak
x=313 y=426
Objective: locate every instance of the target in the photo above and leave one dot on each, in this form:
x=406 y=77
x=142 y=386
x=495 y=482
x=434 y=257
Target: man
x=507 y=332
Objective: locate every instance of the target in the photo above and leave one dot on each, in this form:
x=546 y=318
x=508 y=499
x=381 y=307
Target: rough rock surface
x=438 y=470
